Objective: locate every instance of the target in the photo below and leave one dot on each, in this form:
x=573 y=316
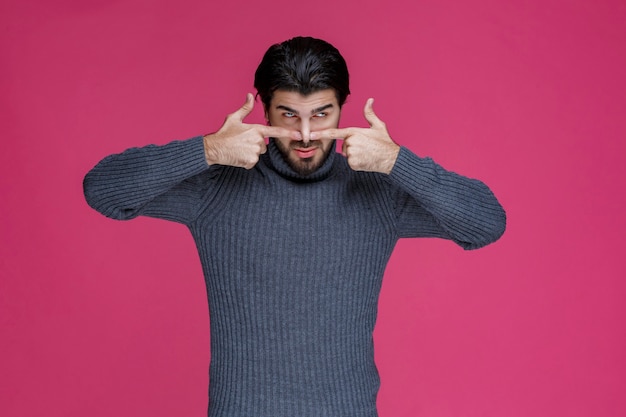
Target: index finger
x=332 y=134
x=279 y=132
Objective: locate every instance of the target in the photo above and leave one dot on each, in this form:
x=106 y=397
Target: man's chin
x=305 y=167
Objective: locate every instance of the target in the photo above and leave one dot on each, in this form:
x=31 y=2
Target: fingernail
x=313 y=136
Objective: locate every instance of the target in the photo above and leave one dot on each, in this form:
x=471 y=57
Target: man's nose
x=305 y=131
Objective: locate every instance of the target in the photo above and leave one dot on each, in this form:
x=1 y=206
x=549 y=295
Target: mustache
x=302 y=145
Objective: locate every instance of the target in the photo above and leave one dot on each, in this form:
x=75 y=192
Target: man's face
x=314 y=112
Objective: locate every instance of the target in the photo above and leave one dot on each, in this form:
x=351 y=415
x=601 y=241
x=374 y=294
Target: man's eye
x=289 y=114
x=320 y=114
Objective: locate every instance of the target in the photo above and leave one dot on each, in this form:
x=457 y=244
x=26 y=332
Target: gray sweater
x=293 y=265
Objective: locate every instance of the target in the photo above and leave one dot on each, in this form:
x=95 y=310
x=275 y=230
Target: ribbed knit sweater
x=293 y=265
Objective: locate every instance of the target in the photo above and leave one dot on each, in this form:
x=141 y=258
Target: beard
x=304 y=166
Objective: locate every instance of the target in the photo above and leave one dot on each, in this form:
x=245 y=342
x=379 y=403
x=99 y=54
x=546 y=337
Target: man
x=294 y=237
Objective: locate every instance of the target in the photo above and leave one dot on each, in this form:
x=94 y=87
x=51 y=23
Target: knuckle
x=251 y=161
x=354 y=164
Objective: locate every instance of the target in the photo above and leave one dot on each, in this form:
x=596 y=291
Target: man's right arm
x=163 y=181
x=152 y=180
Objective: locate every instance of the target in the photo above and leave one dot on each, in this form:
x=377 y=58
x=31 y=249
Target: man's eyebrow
x=281 y=107
x=322 y=108
x=317 y=110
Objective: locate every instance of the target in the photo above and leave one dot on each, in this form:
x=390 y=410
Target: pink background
x=104 y=318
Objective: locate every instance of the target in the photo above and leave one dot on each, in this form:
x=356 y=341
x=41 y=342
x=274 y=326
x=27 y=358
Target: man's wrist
x=209 y=152
x=390 y=161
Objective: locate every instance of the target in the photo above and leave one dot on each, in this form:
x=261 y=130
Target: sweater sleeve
x=435 y=202
x=156 y=181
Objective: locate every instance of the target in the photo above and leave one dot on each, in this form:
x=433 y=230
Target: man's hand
x=366 y=149
x=239 y=144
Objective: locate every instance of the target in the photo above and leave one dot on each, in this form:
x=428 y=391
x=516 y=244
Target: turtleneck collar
x=274 y=158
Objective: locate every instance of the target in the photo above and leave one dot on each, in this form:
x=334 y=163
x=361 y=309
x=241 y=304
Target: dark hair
x=302 y=64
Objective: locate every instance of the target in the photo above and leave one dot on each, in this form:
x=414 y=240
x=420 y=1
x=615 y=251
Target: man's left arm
x=458 y=208
x=464 y=209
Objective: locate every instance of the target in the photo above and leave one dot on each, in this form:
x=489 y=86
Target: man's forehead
x=303 y=102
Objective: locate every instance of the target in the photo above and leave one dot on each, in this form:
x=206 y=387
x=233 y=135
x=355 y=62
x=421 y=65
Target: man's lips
x=305 y=152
